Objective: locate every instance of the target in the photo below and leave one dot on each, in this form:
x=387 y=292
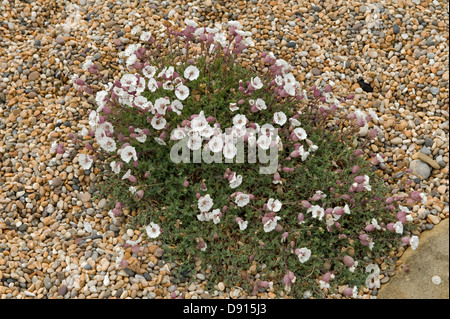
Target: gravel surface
x=56 y=242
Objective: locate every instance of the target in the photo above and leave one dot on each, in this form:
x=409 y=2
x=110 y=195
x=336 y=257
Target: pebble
x=420 y=169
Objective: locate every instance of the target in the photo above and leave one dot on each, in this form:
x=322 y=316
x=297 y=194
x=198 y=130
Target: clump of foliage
x=305 y=221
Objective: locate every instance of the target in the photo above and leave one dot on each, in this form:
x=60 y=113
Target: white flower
x=85 y=161
x=236 y=181
x=194 y=141
x=128 y=153
x=178 y=134
x=205 y=203
x=199 y=123
x=233 y=107
x=242 y=199
x=256 y=83
x=216 y=144
x=141 y=102
x=303 y=254
x=141 y=136
x=398 y=226
x=131 y=60
x=279 y=118
x=132 y=190
x=215 y=216
x=152 y=85
x=191 y=73
x=153 y=230
x=347 y=209
x=242 y=224
x=264 y=142
x=158 y=123
x=274 y=205
x=161 y=105
x=300 y=133
x=271 y=224
x=176 y=106
x=229 y=150
x=145 y=36
x=159 y=141
x=131 y=49
x=108 y=144
x=375 y=224
x=260 y=104
x=317 y=211
x=294 y=122
x=324 y=284
x=182 y=92
x=414 y=242
x=239 y=121
x=149 y=71
x=366 y=184
x=352 y=268
x=127 y=174
x=203 y=217
x=115 y=167
x=168 y=86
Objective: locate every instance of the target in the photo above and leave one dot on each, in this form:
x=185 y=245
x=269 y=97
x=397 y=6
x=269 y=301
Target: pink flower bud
x=197 y=195
x=132 y=179
x=358 y=153
x=186 y=183
x=355 y=169
x=390 y=227
x=369 y=228
x=348 y=292
x=278 y=228
x=348 y=261
x=306 y=204
x=406 y=240
x=326 y=277
x=359 y=179
x=300 y=217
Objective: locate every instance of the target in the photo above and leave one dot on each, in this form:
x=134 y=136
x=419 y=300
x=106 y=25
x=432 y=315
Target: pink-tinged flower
x=153 y=230
x=279 y=118
x=364 y=239
x=239 y=121
x=235 y=181
x=299 y=133
x=205 y=203
x=242 y=224
x=182 y=92
x=317 y=211
x=284 y=237
x=215 y=216
x=158 y=123
x=303 y=254
x=149 y=71
x=191 y=73
x=85 y=161
x=270 y=221
x=242 y=199
x=127 y=153
x=318 y=196
x=274 y=205
x=260 y=104
x=229 y=150
x=288 y=280
x=256 y=83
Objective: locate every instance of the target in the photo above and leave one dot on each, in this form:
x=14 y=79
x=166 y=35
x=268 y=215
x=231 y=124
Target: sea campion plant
x=312 y=224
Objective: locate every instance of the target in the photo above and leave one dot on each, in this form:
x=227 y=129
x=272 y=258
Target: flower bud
x=348 y=261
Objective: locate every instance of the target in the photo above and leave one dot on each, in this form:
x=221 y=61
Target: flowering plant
x=319 y=213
